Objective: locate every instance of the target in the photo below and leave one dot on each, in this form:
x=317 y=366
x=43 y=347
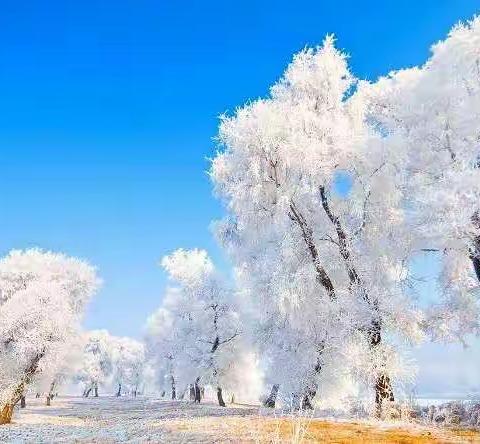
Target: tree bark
x=197 y=391
x=476 y=264
x=221 y=402
x=383 y=386
x=6 y=414
x=475 y=251
x=96 y=390
x=174 y=392
x=307 y=400
x=307 y=234
x=7 y=408
x=272 y=397
x=23 y=402
x=51 y=393
x=87 y=392
x=119 y=391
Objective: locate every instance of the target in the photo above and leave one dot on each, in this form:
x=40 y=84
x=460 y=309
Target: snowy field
x=108 y=420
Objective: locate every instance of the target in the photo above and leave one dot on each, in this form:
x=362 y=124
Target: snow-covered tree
x=203 y=325
x=163 y=347
x=128 y=364
x=432 y=113
x=326 y=266
x=43 y=296
x=97 y=363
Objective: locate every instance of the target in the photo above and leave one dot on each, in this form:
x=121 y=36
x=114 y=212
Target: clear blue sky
x=108 y=110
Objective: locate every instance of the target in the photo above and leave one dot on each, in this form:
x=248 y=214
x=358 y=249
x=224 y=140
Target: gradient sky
x=108 y=110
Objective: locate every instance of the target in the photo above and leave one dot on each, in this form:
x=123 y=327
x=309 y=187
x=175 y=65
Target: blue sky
x=108 y=110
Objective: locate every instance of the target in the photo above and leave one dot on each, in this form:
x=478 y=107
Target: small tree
x=43 y=296
x=128 y=364
x=204 y=324
x=97 y=361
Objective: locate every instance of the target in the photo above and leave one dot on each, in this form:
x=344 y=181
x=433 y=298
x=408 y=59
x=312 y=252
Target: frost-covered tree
x=325 y=266
x=204 y=325
x=431 y=114
x=42 y=299
x=97 y=363
x=163 y=347
x=128 y=364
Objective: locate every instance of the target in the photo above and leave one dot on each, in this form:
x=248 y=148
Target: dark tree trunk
x=383 y=385
x=307 y=234
x=87 y=392
x=51 y=393
x=174 y=392
x=197 y=391
x=37 y=395
x=162 y=394
x=96 y=391
x=23 y=402
x=476 y=264
x=192 y=392
x=272 y=397
x=383 y=392
x=221 y=402
x=307 y=400
x=119 y=391
x=475 y=251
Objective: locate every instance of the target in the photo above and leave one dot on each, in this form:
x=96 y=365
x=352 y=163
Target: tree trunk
x=307 y=400
x=87 y=392
x=383 y=385
x=476 y=264
x=192 y=392
x=221 y=402
x=197 y=391
x=23 y=403
x=272 y=397
x=7 y=408
x=6 y=414
x=51 y=393
x=96 y=390
x=119 y=392
x=475 y=252
x=174 y=392
x=37 y=395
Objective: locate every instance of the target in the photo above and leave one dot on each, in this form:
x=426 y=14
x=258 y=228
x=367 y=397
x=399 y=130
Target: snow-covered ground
x=110 y=420
x=139 y=420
